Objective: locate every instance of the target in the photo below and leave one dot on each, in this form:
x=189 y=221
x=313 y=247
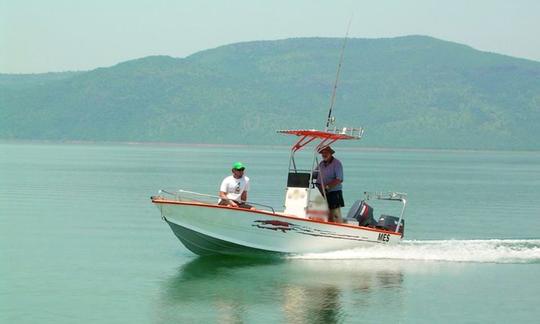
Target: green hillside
x=413 y=91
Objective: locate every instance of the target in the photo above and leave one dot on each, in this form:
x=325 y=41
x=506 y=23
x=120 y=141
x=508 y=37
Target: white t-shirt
x=234 y=187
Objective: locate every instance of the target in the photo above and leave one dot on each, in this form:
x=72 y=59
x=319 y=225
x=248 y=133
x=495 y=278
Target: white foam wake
x=495 y=251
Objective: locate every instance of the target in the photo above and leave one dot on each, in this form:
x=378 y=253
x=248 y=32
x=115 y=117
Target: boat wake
x=483 y=251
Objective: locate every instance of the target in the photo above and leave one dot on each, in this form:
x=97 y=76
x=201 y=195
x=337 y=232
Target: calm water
x=80 y=241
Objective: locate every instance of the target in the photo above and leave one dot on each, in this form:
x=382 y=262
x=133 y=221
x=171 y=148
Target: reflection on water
x=230 y=290
x=312 y=304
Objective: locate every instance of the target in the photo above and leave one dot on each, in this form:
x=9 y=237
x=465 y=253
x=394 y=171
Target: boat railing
x=385 y=195
x=187 y=196
x=392 y=196
x=355 y=132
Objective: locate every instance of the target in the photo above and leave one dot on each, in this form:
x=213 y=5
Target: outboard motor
x=390 y=223
x=363 y=213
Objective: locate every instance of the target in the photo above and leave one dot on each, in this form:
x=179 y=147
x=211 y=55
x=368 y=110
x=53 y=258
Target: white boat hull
x=208 y=229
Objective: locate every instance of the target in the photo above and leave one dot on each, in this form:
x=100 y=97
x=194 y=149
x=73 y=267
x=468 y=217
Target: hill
x=412 y=91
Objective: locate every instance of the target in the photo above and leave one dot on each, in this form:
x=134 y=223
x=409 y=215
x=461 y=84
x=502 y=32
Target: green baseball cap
x=238 y=166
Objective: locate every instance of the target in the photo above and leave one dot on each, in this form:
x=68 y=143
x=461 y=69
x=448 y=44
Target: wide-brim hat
x=327 y=148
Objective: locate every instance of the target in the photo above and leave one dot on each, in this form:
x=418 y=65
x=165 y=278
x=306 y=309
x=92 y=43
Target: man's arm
x=339 y=176
x=333 y=183
x=243 y=197
x=223 y=196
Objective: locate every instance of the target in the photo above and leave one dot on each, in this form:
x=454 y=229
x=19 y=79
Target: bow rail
x=190 y=196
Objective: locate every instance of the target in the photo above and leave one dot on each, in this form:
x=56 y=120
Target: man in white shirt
x=234 y=188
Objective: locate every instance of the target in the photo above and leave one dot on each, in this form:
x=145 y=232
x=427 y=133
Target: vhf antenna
x=332 y=101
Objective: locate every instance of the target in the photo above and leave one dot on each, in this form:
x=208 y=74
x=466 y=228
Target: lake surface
x=80 y=241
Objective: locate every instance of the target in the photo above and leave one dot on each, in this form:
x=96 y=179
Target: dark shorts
x=335 y=199
x=240 y=204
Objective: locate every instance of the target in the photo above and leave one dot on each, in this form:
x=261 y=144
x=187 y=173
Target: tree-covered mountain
x=413 y=91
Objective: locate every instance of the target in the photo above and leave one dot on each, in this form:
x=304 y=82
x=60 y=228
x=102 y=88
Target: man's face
x=326 y=155
x=238 y=173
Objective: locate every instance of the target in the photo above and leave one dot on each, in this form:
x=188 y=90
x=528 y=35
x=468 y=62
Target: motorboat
x=208 y=228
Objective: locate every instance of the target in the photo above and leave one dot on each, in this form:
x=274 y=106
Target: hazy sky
x=61 y=35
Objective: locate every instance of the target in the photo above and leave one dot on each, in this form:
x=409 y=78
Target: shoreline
x=212 y=145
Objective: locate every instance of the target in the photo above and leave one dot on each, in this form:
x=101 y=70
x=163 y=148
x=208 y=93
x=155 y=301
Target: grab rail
x=393 y=196
x=178 y=197
x=356 y=132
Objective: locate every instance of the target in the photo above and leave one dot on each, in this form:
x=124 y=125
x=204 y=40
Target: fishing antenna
x=332 y=101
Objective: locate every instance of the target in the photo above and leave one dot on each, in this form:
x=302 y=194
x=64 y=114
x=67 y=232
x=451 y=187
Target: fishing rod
x=333 y=100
